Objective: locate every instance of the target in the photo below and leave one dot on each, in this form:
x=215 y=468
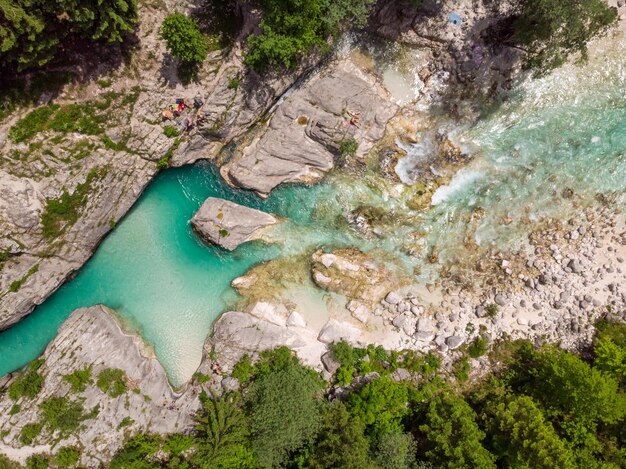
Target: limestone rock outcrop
x=305 y=133
x=228 y=224
x=265 y=327
x=91 y=338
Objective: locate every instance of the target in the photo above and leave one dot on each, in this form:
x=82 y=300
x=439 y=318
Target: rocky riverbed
x=572 y=275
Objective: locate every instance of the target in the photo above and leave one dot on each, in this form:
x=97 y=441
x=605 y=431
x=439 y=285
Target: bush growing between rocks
x=29 y=383
x=61 y=414
x=112 y=381
x=348 y=147
x=38 y=461
x=79 y=379
x=184 y=39
x=6 y=463
x=243 y=369
x=170 y=131
x=67 y=457
x=29 y=432
x=478 y=347
x=491 y=310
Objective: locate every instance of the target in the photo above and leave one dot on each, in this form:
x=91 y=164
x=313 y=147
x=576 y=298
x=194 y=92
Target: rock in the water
x=352 y=273
x=228 y=224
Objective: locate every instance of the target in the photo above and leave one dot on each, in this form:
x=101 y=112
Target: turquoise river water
x=566 y=130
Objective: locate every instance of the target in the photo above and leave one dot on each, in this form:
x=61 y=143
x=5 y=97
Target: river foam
x=547 y=150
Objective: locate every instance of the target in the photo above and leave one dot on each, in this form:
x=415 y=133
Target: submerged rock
x=228 y=224
x=353 y=274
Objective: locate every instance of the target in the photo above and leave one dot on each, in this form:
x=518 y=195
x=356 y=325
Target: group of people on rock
x=176 y=110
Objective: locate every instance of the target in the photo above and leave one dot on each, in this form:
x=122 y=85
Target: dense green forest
x=32 y=31
x=539 y=407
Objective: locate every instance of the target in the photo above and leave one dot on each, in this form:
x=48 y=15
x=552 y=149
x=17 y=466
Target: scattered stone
x=230 y=384
x=454 y=341
x=330 y=364
x=424 y=325
x=500 y=300
x=335 y=331
x=425 y=336
x=393 y=298
x=401 y=374
x=361 y=313
x=575 y=266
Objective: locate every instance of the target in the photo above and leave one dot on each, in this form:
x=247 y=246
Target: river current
x=565 y=131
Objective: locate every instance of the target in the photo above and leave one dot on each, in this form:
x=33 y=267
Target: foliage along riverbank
x=541 y=407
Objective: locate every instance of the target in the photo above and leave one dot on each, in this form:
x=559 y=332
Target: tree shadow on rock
x=220 y=20
x=78 y=60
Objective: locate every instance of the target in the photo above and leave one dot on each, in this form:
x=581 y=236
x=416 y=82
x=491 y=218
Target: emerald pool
x=154 y=271
x=565 y=131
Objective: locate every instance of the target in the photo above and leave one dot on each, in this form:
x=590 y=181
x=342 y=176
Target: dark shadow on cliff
x=77 y=61
x=479 y=55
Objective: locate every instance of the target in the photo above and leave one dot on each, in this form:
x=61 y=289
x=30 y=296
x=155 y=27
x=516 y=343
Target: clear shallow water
x=565 y=131
x=156 y=273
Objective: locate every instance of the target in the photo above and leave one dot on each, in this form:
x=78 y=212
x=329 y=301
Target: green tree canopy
x=610 y=350
x=342 y=441
x=452 y=437
x=98 y=19
x=285 y=414
x=396 y=451
x=291 y=28
x=184 y=39
x=31 y=30
x=523 y=438
x=222 y=434
x=552 y=30
x=569 y=386
x=380 y=404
